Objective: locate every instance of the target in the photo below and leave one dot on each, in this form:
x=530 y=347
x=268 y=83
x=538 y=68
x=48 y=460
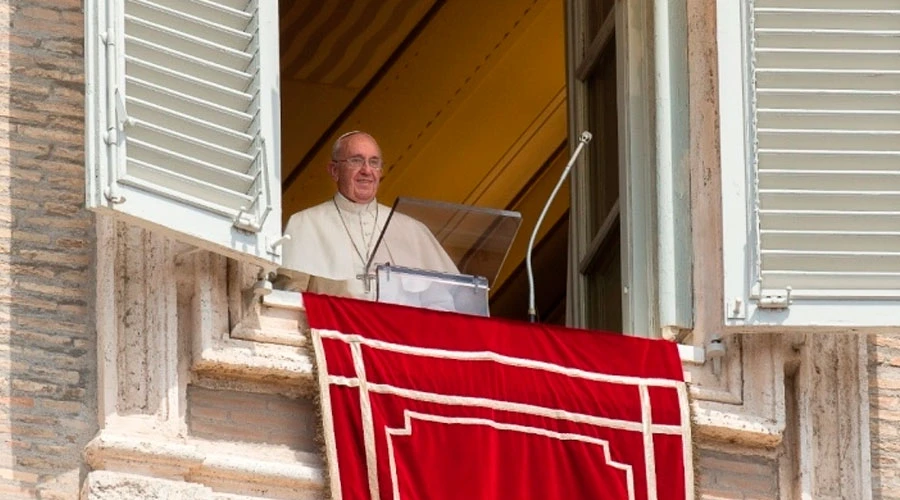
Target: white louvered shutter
x=822 y=181
x=183 y=126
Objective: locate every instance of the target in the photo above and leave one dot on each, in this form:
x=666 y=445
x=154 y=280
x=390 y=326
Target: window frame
x=654 y=203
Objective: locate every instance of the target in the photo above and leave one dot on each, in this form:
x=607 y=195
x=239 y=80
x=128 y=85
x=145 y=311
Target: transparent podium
x=440 y=255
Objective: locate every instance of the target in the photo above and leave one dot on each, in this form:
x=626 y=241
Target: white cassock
x=331 y=243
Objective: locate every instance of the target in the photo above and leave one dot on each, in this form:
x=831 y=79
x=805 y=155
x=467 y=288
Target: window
x=601 y=263
x=182 y=127
x=630 y=261
x=810 y=124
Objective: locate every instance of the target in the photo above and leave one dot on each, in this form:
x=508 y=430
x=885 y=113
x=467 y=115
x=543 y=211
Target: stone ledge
x=286 y=472
x=254 y=360
x=106 y=485
x=717 y=425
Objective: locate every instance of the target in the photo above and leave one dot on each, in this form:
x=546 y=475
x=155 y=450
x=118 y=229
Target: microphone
x=584 y=139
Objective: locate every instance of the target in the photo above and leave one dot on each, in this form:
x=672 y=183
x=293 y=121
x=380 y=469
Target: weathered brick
x=32 y=387
x=40 y=13
x=25 y=24
x=49 y=134
x=61 y=407
x=60 y=5
x=17 y=475
x=16 y=491
x=52 y=257
x=16 y=402
x=252 y=416
x=232 y=432
x=31 y=431
x=26 y=88
x=212 y=414
x=59 y=291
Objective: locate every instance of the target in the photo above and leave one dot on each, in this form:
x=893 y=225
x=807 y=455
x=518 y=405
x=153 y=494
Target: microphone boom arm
x=584 y=139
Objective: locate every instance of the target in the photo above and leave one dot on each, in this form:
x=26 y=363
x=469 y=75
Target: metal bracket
x=245 y=221
x=122 y=118
x=715 y=351
x=775 y=299
x=113 y=197
x=735 y=309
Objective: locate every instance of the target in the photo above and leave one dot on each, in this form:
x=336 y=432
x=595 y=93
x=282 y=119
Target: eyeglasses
x=357 y=162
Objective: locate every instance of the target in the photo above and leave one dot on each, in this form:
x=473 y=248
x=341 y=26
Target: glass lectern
x=441 y=255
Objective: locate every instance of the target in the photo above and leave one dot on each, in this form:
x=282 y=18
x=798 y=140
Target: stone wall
x=251 y=417
x=884 y=416
x=47 y=341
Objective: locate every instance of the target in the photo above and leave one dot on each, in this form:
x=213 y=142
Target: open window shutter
x=183 y=132
x=822 y=202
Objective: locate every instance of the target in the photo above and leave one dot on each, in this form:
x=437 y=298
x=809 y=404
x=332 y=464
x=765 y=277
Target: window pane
x=604 y=151
x=605 y=287
x=597 y=12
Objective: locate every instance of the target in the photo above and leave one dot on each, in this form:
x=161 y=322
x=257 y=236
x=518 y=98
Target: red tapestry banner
x=422 y=404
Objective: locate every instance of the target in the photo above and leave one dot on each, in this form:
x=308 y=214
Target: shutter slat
x=205 y=110
x=184 y=124
x=175 y=195
x=795 y=260
x=191 y=145
x=848 y=241
x=835 y=39
x=843 y=140
x=796 y=199
x=823 y=19
x=193 y=167
x=231 y=15
x=829 y=220
x=186 y=43
x=827 y=160
x=191 y=186
x=799 y=59
x=824 y=99
x=827 y=79
x=162 y=81
x=821 y=284
x=812 y=119
x=178 y=62
x=856 y=180
x=217 y=31
x=827 y=4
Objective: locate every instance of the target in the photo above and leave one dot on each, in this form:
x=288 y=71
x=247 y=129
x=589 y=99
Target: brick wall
x=47 y=347
x=735 y=475
x=251 y=418
x=884 y=416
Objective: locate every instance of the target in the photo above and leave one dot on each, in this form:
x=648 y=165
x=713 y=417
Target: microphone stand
x=584 y=139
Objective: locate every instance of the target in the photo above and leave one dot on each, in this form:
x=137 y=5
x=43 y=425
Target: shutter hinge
x=112 y=138
x=122 y=118
x=246 y=222
x=774 y=299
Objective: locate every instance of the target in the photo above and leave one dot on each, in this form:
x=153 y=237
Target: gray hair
x=339 y=142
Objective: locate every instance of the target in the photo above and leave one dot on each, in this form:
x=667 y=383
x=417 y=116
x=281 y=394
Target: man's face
x=359 y=182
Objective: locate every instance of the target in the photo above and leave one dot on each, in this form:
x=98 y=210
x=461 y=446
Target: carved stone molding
x=163 y=320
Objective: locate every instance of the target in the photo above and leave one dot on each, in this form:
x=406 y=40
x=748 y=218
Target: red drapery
x=421 y=404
